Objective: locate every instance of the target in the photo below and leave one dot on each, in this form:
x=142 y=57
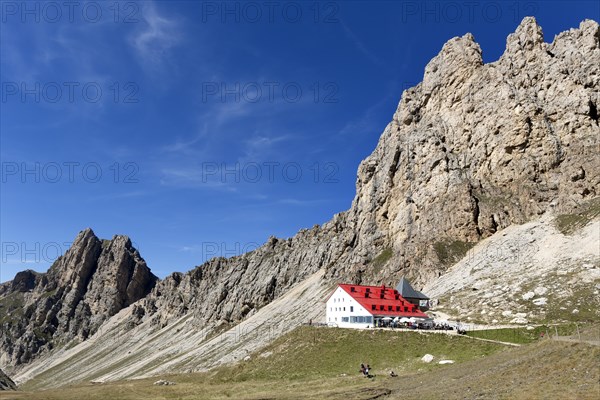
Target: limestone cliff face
x=472 y=149
x=94 y=280
x=477 y=147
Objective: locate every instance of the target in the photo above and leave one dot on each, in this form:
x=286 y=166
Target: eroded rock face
x=94 y=280
x=477 y=147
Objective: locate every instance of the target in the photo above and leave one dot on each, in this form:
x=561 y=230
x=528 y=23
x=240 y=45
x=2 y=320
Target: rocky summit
x=473 y=149
x=91 y=282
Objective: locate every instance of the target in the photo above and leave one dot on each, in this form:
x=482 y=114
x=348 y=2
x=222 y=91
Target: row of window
x=341 y=308
x=374 y=307
x=389 y=308
x=355 y=320
x=358 y=320
x=337 y=300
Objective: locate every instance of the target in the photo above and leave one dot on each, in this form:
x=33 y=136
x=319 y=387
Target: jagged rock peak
x=91 y=282
x=84 y=236
x=586 y=37
x=122 y=240
x=86 y=233
x=457 y=55
x=526 y=37
x=25 y=281
x=590 y=29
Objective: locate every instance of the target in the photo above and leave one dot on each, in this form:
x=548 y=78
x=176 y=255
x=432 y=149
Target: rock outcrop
x=6 y=383
x=91 y=282
x=472 y=149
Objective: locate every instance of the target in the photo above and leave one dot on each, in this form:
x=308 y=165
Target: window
x=351 y=308
x=344 y=308
x=389 y=308
x=373 y=307
x=397 y=308
x=361 y=320
x=344 y=319
x=381 y=307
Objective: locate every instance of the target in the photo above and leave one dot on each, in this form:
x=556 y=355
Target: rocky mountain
x=6 y=383
x=471 y=150
x=90 y=283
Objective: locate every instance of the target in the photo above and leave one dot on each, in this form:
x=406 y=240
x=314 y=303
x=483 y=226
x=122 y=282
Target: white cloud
x=196 y=176
x=156 y=37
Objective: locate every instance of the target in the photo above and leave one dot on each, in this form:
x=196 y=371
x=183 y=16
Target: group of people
x=365 y=370
x=443 y=326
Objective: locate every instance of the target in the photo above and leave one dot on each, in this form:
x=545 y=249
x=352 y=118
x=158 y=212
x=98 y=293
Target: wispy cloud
x=361 y=46
x=198 y=177
x=156 y=37
x=122 y=195
x=190 y=249
x=260 y=147
x=302 y=202
x=187 y=145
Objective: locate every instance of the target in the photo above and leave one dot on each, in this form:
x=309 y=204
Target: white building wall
x=342 y=309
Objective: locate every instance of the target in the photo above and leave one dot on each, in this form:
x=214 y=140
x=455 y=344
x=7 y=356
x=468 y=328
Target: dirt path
x=494 y=341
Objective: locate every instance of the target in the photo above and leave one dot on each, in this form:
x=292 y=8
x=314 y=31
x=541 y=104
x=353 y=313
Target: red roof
x=381 y=300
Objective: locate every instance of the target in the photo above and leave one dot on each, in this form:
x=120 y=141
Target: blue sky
x=201 y=128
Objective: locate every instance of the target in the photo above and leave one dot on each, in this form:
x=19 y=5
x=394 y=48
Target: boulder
x=427 y=358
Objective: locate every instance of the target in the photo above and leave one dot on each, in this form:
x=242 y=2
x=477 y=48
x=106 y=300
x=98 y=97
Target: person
x=367 y=370
x=393 y=374
x=362 y=368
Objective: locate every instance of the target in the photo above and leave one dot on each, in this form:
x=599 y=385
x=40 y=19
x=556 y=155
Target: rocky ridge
x=471 y=150
x=91 y=282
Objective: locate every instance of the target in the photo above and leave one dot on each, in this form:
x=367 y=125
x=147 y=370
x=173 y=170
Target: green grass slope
x=322 y=363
